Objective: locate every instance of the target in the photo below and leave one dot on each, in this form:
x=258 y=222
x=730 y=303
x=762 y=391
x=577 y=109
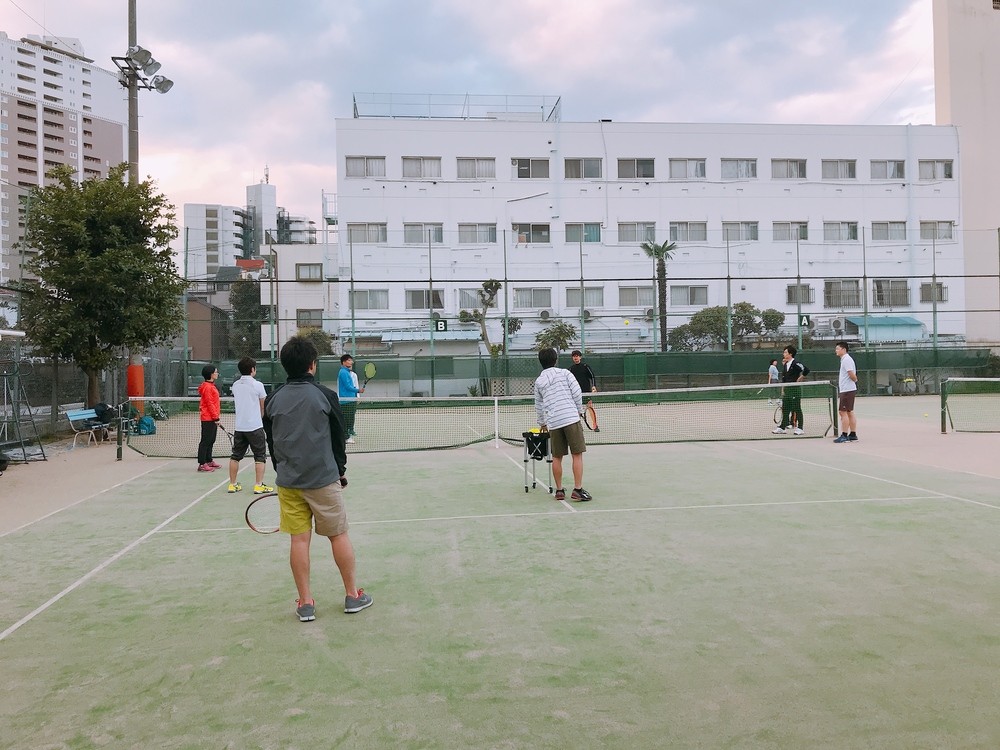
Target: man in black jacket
x=305 y=437
x=793 y=371
x=583 y=374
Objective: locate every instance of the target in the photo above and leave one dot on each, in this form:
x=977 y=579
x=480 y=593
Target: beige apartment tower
x=966 y=78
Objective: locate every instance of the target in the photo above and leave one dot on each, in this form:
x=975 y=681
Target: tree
x=248 y=315
x=558 y=336
x=771 y=320
x=104 y=273
x=322 y=340
x=661 y=254
x=711 y=324
x=487 y=299
x=683 y=338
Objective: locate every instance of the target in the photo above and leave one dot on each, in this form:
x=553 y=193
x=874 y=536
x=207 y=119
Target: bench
x=85 y=422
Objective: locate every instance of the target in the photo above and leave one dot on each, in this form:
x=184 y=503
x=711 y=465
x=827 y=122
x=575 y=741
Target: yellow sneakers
x=260 y=489
x=235 y=488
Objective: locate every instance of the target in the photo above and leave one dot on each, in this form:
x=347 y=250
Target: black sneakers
x=581 y=495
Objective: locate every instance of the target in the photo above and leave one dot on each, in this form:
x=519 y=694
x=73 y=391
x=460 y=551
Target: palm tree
x=661 y=254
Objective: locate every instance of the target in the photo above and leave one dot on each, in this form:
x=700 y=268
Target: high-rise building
x=56 y=107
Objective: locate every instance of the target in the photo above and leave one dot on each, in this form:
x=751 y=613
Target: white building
x=56 y=107
x=434 y=206
x=966 y=69
x=300 y=293
x=213 y=238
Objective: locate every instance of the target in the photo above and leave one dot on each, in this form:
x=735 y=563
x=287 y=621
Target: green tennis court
x=790 y=593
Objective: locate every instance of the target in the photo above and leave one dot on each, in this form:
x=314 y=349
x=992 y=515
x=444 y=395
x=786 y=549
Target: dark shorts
x=847 y=400
x=568 y=439
x=255 y=441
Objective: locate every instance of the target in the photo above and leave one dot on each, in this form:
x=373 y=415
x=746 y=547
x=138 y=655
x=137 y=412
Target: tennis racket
x=264 y=513
x=590 y=417
x=229 y=436
x=369 y=372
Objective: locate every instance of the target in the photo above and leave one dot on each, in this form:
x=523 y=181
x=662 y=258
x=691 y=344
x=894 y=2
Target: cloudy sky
x=260 y=82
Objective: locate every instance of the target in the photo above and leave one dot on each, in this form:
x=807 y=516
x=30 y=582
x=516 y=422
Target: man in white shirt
x=848 y=390
x=558 y=405
x=249 y=395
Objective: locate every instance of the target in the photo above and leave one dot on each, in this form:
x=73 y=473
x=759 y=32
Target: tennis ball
x=626 y=321
x=925 y=415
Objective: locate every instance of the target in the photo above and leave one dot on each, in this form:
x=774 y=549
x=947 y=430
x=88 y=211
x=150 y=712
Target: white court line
x=549 y=489
x=79 y=582
x=82 y=500
x=869 y=476
x=730 y=506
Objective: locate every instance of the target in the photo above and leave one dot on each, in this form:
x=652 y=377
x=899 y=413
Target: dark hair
x=548 y=358
x=345 y=357
x=246 y=365
x=297 y=356
x=206 y=371
x=576 y=353
x=791 y=350
x=844 y=346
x=774 y=361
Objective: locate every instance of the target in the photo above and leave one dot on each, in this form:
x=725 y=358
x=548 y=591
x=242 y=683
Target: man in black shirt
x=583 y=374
x=791 y=398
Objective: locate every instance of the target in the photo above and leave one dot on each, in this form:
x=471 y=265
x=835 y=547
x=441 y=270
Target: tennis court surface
x=786 y=593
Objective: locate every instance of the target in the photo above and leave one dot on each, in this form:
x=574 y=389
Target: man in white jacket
x=558 y=405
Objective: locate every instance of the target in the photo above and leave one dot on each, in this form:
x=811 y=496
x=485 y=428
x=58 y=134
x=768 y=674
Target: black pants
x=791 y=406
x=208 y=432
x=349 y=409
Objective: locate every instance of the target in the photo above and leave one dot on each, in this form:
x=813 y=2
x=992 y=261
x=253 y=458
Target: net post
x=944 y=406
x=496 y=422
x=121 y=424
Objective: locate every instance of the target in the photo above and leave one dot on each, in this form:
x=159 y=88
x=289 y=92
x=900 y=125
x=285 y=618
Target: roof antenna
x=267 y=175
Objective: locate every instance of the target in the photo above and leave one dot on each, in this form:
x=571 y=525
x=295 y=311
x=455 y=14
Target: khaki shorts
x=847 y=400
x=568 y=439
x=300 y=506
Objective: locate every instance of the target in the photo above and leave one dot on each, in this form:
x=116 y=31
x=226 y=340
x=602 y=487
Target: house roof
x=874 y=321
x=227 y=274
x=251 y=264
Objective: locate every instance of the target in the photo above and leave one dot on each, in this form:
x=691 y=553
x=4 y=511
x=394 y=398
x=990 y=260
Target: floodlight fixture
x=162 y=84
x=139 y=55
x=151 y=67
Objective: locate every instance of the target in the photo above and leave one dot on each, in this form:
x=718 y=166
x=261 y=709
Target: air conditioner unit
x=435 y=316
x=837 y=324
x=650 y=312
x=545 y=314
x=812 y=324
x=588 y=315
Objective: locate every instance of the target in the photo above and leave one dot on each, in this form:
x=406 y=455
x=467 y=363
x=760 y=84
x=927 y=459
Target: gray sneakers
x=306 y=612
x=357 y=603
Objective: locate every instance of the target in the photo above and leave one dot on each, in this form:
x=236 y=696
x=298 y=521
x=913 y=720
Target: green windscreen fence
x=624 y=417
x=970 y=405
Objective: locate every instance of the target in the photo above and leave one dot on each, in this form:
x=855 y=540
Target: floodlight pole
x=583 y=312
x=133 y=103
x=354 y=340
x=430 y=302
x=729 y=303
x=798 y=290
x=934 y=295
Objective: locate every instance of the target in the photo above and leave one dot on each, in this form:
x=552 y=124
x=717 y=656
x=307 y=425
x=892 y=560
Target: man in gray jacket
x=305 y=436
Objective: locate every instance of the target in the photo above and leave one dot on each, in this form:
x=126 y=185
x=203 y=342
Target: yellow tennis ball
x=925 y=415
x=626 y=321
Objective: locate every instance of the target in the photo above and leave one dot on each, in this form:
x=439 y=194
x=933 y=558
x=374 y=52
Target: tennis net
x=970 y=404
x=625 y=417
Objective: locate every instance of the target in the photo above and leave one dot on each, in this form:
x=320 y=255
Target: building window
x=840 y=169
x=796 y=294
x=688 y=231
x=421 y=234
x=639 y=231
x=785 y=231
x=531 y=233
x=530 y=168
x=686 y=296
x=687 y=169
x=640 y=169
x=421 y=167
x=842 y=293
x=366 y=233
x=308 y=271
x=309 y=318
x=532 y=298
x=211 y=213
x=890 y=293
x=635 y=296
x=593 y=296
x=739 y=231
x=937 y=230
x=471 y=234
x=739 y=169
x=788 y=169
x=211 y=223
x=419 y=299
x=926 y=295
x=888 y=170
x=840 y=231
x=577 y=169
x=366 y=166
x=940 y=169
x=477 y=169
x=369 y=299
x=583 y=232
x=888 y=230
x=469 y=299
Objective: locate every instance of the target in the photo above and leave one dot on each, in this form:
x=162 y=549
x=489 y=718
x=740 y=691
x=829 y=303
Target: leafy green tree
x=661 y=253
x=771 y=320
x=247 y=316
x=711 y=324
x=683 y=338
x=104 y=275
x=487 y=299
x=559 y=336
x=322 y=340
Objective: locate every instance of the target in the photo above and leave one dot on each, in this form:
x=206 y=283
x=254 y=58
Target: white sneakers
x=796 y=431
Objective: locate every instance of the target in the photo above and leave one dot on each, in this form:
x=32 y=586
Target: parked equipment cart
x=536 y=448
